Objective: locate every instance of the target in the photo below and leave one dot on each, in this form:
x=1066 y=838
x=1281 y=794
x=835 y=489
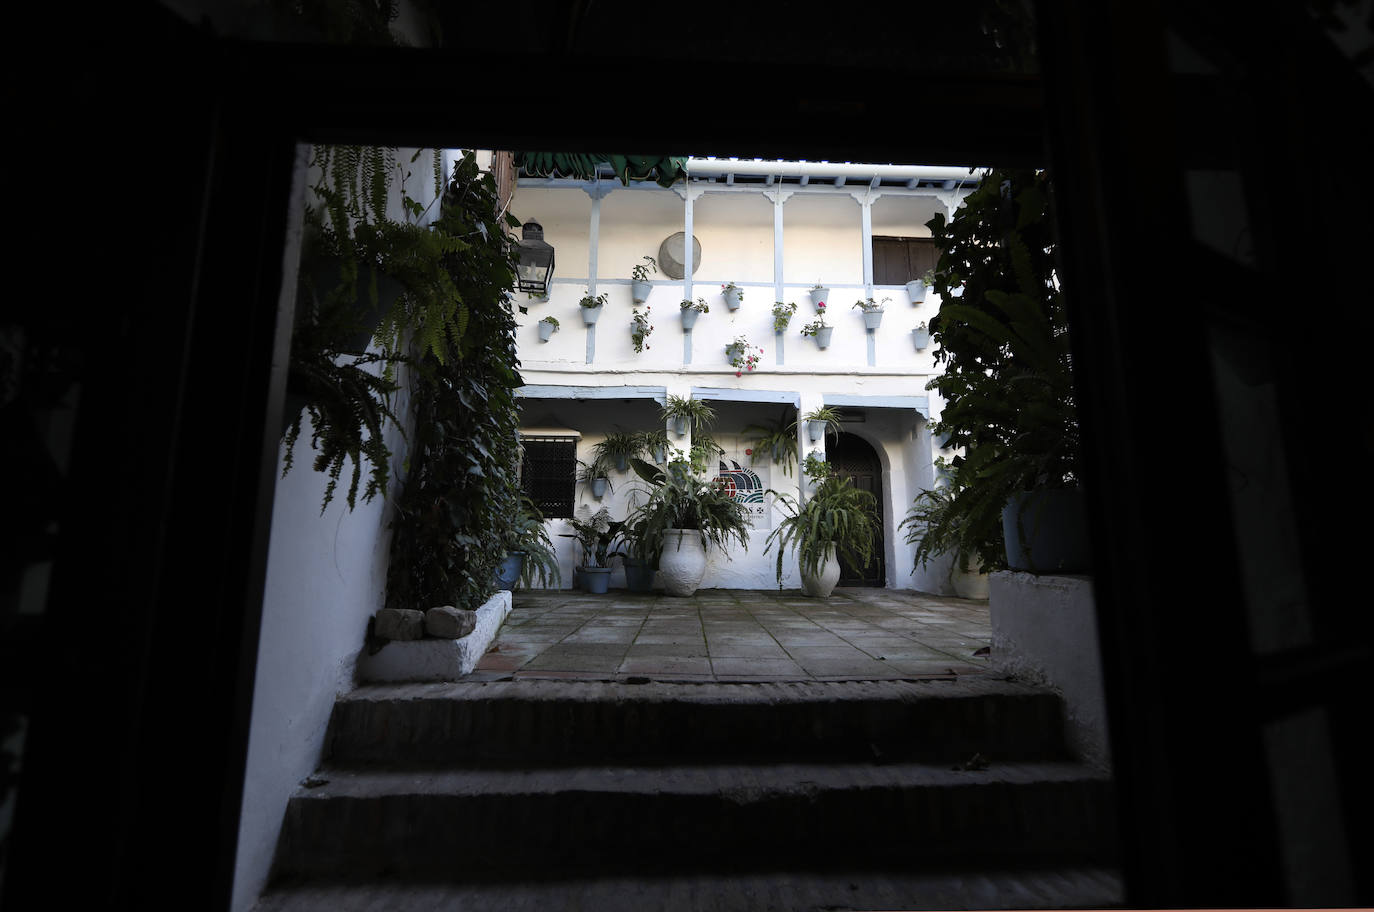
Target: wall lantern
x=535 y=268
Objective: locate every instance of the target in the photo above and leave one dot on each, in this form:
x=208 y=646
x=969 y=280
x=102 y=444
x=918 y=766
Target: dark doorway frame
x=855 y=458
x=139 y=720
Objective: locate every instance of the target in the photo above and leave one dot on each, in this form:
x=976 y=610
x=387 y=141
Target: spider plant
x=838 y=515
x=777 y=441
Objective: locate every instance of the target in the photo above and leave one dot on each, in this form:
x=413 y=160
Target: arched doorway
x=852 y=457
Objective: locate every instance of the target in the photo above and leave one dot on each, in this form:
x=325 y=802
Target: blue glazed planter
x=590 y=315
x=823 y=336
x=732 y=298
x=640 y=291
x=916 y=291
x=596 y=580
x=872 y=319
x=598 y=488
x=1046 y=531
x=508 y=574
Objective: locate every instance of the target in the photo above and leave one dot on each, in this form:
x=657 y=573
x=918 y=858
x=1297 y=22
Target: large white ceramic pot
x=821 y=586
x=683 y=563
x=970 y=585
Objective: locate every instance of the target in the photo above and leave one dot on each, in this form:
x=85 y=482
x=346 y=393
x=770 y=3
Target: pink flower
x=738 y=374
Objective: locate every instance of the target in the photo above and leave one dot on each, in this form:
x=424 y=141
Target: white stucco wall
x=821 y=241
x=326 y=575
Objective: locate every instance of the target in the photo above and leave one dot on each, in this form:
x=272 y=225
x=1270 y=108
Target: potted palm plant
x=937 y=529
x=595 y=475
x=683 y=411
x=617 y=449
x=639 y=279
x=681 y=518
x=822 y=420
x=595 y=532
x=837 y=521
x=529 y=552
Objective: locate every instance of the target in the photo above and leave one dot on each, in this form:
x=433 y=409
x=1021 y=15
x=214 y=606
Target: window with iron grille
x=548 y=474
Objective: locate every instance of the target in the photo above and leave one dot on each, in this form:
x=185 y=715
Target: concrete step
x=624 y=820
x=539 y=723
x=785 y=891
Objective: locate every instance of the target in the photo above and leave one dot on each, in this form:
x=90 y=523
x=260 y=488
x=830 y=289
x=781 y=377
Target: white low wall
x=1044 y=629
x=435 y=659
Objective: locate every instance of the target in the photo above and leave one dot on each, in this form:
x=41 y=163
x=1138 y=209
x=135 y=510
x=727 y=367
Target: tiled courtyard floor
x=738 y=635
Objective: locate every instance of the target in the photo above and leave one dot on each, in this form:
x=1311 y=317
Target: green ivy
x=461 y=495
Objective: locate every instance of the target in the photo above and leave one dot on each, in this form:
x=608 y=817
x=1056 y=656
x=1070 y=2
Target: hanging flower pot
x=819 y=295
x=598 y=487
x=621 y=462
x=590 y=315
x=546 y=329
x=689 y=318
x=872 y=319
x=920 y=337
x=823 y=336
x=815 y=430
x=659 y=455
x=733 y=296
x=916 y=291
x=680 y=426
x=640 y=291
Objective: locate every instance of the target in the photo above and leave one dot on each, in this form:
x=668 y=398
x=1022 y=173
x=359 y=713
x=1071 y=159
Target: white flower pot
x=821 y=586
x=916 y=290
x=971 y=585
x=683 y=563
x=920 y=338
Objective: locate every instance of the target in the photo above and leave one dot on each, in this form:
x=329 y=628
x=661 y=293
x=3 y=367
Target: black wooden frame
x=140 y=678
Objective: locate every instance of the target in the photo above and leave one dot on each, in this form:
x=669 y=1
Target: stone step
x=626 y=819
x=786 y=891
x=539 y=723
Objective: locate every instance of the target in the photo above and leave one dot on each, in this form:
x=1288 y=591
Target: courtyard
x=738 y=635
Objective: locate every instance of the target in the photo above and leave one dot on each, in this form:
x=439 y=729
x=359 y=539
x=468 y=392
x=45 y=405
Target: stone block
x=448 y=622
x=432 y=659
x=400 y=624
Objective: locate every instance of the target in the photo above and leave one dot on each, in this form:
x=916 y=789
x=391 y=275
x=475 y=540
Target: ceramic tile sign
x=746 y=484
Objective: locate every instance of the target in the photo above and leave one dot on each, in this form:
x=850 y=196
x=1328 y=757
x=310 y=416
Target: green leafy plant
x=700 y=306
x=617 y=447
x=829 y=416
x=461 y=493
x=678 y=499
x=654 y=441
x=935 y=527
x=868 y=305
x=598 y=469
x=837 y=515
x=590 y=300
x=817 y=324
x=732 y=288
x=697 y=411
x=743 y=356
x=776 y=441
x=816 y=467
x=640 y=329
x=595 y=532
x=1004 y=347
x=528 y=534
x=641 y=272
x=782 y=315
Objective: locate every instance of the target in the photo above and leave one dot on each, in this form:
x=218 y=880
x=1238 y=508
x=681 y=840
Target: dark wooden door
x=854 y=459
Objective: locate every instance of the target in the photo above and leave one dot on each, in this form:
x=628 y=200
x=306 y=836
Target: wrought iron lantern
x=535 y=267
